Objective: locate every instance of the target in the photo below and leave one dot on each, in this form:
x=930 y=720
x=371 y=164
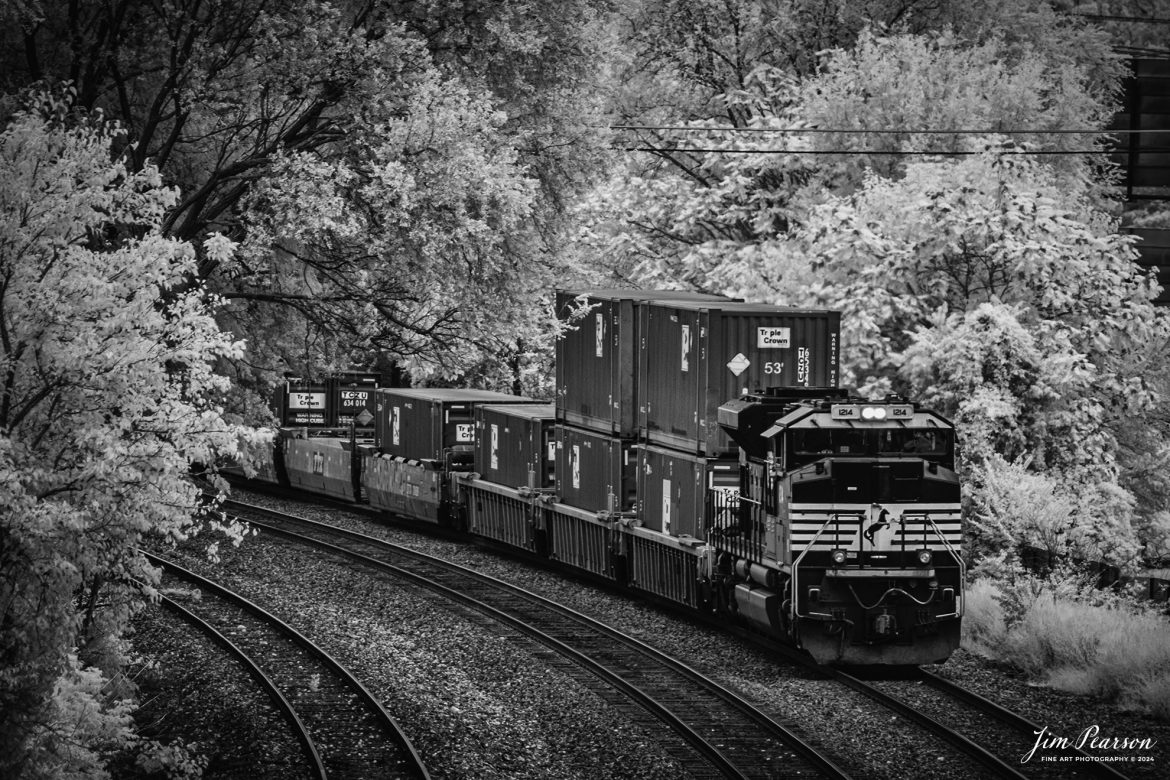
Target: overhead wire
x=1135 y=19
x=1047 y=152
x=880 y=131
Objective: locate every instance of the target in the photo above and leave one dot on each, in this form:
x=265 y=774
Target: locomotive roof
x=803 y=418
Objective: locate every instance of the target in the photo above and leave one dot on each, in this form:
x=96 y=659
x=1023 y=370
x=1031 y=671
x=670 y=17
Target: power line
x=1049 y=152
x=1135 y=19
x=1137 y=50
x=877 y=131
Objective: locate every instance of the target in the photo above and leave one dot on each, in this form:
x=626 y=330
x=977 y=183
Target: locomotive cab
x=853 y=508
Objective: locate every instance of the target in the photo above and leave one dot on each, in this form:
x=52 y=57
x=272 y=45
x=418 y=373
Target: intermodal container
x=695 y=356
x=591 y=467
x=352 y=399
x=424 y=423
x=303 y=404
x=514 y=444
x=674 y=489
x=596 y=360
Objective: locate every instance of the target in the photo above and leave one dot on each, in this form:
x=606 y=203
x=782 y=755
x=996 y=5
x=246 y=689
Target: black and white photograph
x=584 y=389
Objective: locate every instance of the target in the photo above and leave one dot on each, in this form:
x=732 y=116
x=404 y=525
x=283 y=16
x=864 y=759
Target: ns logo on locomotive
x=698 y=451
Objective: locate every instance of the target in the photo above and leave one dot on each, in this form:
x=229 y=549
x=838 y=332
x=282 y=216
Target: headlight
x=873 y=413
x=838 y=557
x=925 y=556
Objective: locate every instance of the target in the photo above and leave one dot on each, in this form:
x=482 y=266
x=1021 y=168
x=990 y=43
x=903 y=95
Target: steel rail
x=1014 y=720
x=384 y=718
x=726 y=765
x=282 y=703
x=957 y=740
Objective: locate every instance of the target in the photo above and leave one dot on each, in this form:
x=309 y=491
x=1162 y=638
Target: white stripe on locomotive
x=806 y=520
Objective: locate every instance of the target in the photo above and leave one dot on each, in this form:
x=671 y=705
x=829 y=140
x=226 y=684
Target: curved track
x=312 y=757
x=1025 y=730
x=719 y=733
x=345 y=730
x=1015 y=734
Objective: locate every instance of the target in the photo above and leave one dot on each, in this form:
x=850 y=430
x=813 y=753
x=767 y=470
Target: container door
x=587 y=364
x=670 y=377
x=458 y=427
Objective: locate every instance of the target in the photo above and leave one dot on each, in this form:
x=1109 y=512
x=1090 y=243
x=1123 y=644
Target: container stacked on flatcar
x=693 y=356
x=589 y=480
x=598 y=436
x=640 y=375
x=515 y=458
x=423 y=436
x=352 y=398
x=698 y=451
x=322 y=424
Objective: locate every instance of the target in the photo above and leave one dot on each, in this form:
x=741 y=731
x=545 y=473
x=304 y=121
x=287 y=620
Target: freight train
x=699 y=451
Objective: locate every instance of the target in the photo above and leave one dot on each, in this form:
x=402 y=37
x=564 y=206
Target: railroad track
x=1019 y=731
x=716 y=732
x=1013 y=735
x=344 y=731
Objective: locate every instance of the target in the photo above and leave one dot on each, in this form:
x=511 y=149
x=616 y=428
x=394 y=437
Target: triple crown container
x=597 y=359
x=424 y=423
x=695 y=356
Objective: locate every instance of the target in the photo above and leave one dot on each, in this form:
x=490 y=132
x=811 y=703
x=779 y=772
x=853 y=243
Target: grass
x=1109 y=652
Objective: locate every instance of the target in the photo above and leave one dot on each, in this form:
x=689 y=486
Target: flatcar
x=827 y=521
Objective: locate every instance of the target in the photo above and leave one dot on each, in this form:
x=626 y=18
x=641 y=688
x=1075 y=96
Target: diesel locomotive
x=699 y=452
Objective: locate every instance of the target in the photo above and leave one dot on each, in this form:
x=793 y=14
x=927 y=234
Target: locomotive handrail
x=833 y=518
x=958 y=558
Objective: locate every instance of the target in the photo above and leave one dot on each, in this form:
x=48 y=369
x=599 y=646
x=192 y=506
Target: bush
x=1061 y=639
x=984 y=627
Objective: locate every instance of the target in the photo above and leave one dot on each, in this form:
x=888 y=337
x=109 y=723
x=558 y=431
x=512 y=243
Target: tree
x=916 y=263
x=387 y=115
x=720 y=194
x=106 y=399
x=989 y=281
x=992 y=290
x=892 y=90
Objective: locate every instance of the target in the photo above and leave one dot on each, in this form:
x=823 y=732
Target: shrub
x=1062 y=639
x=984 y=628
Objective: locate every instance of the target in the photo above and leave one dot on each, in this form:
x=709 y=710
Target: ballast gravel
x=485 y=707
x=193 y=692
x=474 y=704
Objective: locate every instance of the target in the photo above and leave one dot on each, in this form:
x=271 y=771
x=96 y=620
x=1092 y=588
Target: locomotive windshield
x=808 y=445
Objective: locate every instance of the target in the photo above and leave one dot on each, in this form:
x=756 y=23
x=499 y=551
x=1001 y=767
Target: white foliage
x=106 y=391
